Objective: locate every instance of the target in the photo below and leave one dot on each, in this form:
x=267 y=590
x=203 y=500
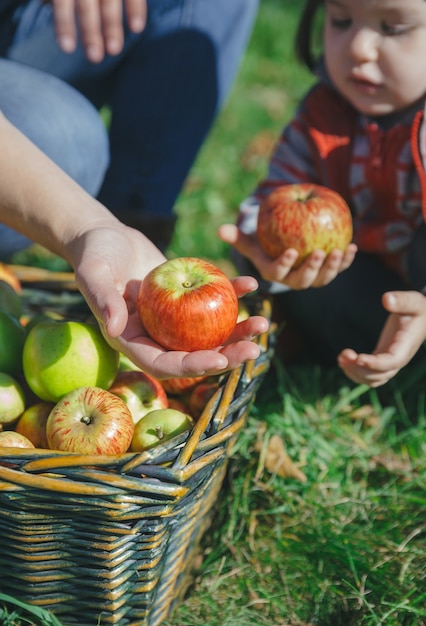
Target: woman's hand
x=317 y=270
x=100 y=23
x=110 y=263
x=401 y=338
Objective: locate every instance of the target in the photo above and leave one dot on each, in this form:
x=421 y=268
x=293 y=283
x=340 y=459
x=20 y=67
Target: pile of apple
x=62 y=387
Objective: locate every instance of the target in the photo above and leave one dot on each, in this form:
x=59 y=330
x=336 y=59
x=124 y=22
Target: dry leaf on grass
x=277 y=461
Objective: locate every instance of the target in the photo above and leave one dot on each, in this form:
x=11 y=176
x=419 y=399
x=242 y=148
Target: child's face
x=375 y=52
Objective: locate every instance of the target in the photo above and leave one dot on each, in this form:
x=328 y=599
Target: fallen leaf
x=277 y=461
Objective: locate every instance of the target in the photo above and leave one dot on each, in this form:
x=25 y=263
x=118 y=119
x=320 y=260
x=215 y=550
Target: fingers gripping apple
x=188 y=304
x=304 y=217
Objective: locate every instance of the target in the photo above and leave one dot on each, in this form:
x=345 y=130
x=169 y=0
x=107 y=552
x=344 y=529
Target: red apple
x=305 y=217
x=140 y=391
x=32 y=423
x=200 y=395
x=12 y=439
x=177 y=386
x=159 y=426
x=188 y=304
x=179 y=404
x=90 y=420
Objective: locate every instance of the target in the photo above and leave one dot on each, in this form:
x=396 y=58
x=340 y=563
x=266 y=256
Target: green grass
x=344 y=544
x=344 y=547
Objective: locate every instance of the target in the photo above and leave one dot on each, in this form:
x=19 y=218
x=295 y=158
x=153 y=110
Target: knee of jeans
x=62 y=123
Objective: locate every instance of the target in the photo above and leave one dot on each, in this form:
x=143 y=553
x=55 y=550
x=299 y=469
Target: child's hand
x=317 y=270
x=110 y=263
x=401 y=337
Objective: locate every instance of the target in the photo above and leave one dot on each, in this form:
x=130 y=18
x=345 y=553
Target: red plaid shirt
x=378 y=169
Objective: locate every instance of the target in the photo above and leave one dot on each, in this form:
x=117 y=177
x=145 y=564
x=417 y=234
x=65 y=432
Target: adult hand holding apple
x=111 y=290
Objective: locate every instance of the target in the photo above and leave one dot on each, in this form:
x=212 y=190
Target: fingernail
x=114 y=46
x=137 y=24
x=67 y=44
x=94 y=54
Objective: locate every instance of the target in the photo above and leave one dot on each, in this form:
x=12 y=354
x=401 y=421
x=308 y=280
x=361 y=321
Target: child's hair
x=304 y=44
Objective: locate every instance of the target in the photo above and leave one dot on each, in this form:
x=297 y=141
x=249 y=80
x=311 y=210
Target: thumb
x=246 y=245
x=107 y=305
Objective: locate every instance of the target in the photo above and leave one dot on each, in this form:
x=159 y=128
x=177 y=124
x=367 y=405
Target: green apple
x=159 y=426
x=60 y=356
x=10 y=300
x=126 y=365
x=12 y=400
x=12 y=337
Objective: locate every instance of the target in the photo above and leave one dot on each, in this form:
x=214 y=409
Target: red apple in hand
x=305 y=217
x=188 y=304
x=140 y=391
x=90 y=420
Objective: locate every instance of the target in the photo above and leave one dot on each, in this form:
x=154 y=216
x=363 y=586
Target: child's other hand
x=401 y=338
x=317 y=270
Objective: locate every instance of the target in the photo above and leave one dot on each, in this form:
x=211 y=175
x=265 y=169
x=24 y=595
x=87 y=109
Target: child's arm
x=401 y=338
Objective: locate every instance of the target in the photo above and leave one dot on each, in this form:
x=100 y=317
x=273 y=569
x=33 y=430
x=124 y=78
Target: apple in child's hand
x=188 y=304
x=305 y=217
x=12 y=439
x=60 y=356
x=90 y=420
x=12 y=400
x=158 y=427
x=32 y=423
x=140 y=391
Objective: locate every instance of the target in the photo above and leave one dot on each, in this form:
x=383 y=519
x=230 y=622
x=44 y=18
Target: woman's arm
x=109 y=259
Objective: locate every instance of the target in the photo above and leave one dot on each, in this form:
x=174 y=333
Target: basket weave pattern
x=111 y=539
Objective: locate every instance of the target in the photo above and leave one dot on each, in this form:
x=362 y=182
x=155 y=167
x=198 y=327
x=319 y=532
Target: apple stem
x=86 y=419
x=159 y=432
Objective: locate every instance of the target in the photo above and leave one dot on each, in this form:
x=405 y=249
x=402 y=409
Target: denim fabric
x=163 y=92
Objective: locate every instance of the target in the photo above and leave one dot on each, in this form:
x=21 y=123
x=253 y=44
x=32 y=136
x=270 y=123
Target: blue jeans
x=163 y=92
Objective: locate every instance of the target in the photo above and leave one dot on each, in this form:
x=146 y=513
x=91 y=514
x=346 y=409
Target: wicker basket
x=111 y=540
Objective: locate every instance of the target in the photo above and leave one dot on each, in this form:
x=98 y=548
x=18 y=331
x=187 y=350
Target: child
x=360 y=131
